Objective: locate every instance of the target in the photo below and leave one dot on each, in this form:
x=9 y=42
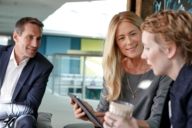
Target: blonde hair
x=112 y=56
x=173 y=26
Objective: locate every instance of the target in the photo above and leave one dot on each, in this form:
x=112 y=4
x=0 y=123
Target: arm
x=157 y=107
x=13 y=110
x=36 y=93
x=189 y=107
x=33 y=90
x=103 y=105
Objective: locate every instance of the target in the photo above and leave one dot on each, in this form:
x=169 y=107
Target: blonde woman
x=127 y=77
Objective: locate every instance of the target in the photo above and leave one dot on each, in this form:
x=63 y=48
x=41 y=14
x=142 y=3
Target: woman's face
x=128 y=39
x=155 y=55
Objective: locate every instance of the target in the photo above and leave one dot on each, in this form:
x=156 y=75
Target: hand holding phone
x=78 y=112
x=91 y=116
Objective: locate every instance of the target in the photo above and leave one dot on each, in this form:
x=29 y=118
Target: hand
x=3 y=112
x=114 y=121
x=100 y=116
x=13 y=110
x=78 y=112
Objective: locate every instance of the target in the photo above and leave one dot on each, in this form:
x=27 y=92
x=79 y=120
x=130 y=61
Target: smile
x=132 y=47
x=32 y=50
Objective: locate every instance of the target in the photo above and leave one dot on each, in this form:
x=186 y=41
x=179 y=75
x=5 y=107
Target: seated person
x=23 y=76
x=167 y=38
x=128 y=77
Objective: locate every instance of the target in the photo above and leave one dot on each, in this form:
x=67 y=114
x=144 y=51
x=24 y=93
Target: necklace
x=133 y=92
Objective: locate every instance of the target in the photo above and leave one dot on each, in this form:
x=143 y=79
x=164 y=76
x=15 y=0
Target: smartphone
x=91 y=116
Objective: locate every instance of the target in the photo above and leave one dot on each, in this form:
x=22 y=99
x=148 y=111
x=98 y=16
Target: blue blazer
x=32 y=82
x=181 y=99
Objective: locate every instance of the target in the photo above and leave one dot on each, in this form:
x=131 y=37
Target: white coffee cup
x=121 y=108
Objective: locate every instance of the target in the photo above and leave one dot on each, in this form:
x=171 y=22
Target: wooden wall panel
x=142 y=7
x=147 y=8
x=138 y=7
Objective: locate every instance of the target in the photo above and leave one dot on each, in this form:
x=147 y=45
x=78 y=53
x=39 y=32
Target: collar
x=12 y=58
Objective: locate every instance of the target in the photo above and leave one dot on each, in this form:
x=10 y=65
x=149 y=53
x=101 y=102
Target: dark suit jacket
x=32 y=82
x=181 y=99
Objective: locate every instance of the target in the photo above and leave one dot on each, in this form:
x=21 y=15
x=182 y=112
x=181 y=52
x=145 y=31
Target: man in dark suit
x=24 y=74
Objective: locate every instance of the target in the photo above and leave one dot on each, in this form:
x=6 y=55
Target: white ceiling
x=87 y=19
x=12 y=10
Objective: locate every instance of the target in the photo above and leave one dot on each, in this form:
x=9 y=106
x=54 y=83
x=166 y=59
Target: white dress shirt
x=11 y=78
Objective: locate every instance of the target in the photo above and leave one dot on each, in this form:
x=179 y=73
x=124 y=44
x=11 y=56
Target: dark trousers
x=25 y=121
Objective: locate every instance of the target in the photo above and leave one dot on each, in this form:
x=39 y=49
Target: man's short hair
x=19 y=26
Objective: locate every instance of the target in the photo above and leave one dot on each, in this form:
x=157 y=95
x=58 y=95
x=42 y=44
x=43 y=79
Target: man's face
x=28 y=42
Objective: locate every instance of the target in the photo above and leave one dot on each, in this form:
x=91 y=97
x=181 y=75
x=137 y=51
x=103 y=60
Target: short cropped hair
x=19 y=26
x=173 y=26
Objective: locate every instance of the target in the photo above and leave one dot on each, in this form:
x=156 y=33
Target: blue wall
x=61 y=44
x=42 y=49
x=57 y=44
